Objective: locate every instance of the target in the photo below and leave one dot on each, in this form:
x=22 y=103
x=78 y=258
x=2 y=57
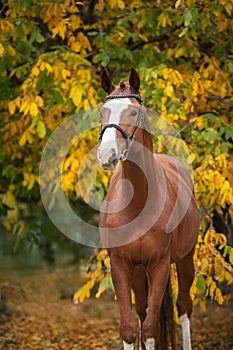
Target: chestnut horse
x=148 y=220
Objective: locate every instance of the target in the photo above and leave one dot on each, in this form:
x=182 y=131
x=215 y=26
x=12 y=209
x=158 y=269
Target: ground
x=37 y=313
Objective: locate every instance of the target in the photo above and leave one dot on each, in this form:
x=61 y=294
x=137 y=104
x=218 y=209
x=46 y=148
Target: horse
x=148 y=220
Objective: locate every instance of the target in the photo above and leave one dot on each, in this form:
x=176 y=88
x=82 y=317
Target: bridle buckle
x=124 y=154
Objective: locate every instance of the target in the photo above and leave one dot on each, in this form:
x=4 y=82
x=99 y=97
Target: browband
x=110 y=97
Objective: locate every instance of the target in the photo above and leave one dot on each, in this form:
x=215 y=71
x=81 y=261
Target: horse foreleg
x=140 y=288
x=158 y=278
x=122 y=281
x=185 y=271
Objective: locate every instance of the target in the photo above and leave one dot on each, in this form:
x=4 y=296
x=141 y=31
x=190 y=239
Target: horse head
x=121 y=119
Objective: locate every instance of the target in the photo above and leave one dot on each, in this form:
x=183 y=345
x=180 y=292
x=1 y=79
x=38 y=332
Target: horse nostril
x=113 y=154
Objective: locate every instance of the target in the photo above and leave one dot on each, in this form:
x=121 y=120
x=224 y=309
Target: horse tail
x=167 y=323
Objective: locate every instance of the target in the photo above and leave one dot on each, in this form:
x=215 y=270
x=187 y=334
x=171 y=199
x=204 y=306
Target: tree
x=51 y=56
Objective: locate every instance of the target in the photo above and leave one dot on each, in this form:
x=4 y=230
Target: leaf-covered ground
x=37 y=313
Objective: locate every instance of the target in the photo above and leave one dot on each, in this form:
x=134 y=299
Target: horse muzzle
x=107 y=157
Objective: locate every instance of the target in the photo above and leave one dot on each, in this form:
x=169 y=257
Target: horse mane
x=123 y=85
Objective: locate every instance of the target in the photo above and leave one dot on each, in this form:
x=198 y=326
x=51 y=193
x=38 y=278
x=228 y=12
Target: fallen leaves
x=36 y=312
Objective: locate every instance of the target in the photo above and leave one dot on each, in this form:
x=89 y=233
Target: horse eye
x=101 y=116
x=133 y=113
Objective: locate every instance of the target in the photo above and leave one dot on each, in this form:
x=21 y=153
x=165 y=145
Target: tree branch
x=140 y=43
x=3 y=8
x=221 y=99
x=158 y=38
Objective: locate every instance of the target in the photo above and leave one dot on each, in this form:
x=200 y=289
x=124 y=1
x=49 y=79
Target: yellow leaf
x=169 y=91
x=113 y=3
x=26 y=177
x=11 y=50
x=229 y=8
x=222 y=25
x=48 y=67
x=75 y=21
x=33 y=109
x=39 y=100
x=65 y=73
x=60 y=29
x=9 y=199
x=203 y=304
x=23 y=139
x=162 y=20
x=191 y=158
x=32 y=180
x=76 y=95
x=107 y=262
x=105 y=180
x=121 y=4
x=177 y=4
x=219 y=296
x=17 y=102
x=84 y=292
x=100 y=5
x=180 y=52
x=25 y=107
x=231 y=256
x=11 y=107
x=86 y=104
x=35 y=71
x=212 y=289
x=1 y=50
x=30 y=136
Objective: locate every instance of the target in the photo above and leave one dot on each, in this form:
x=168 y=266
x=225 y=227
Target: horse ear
x=134 y=80
x=106 y=82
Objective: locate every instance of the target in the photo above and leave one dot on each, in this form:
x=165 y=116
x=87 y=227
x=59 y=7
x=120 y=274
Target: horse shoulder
x=173 y=168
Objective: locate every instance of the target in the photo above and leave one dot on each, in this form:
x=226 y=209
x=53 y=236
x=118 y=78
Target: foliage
x=51 y=57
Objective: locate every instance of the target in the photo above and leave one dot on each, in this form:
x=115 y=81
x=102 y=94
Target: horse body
x=141 y=251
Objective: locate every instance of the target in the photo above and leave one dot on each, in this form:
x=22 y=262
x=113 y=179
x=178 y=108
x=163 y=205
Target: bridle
x=129 y=139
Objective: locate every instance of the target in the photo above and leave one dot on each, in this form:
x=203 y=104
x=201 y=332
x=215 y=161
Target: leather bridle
x=129 y=139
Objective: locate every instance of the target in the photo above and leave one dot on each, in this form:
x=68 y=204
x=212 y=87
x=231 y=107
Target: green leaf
x=39 y=38
x=101 y=193
x=187 y=17
x=210 y=135
x=201 y=284
x=41 y=130
x=102 y=57
x=229 y=132
x=184 y=31
x=107 y=281
x=224 y=147
x=9 y=171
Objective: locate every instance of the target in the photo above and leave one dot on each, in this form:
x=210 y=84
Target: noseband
x=129 y=139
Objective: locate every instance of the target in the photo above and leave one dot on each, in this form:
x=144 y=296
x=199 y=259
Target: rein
x=129 y=139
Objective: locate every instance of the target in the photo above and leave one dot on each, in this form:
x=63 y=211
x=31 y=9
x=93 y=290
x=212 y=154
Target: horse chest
x=146 y=251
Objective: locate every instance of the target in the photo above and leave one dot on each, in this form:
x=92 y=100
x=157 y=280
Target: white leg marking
x=140 y=333
x=185 y=325
x=150 y=344
x=128 y=346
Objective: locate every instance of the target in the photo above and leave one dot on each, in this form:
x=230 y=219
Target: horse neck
x=141 y=167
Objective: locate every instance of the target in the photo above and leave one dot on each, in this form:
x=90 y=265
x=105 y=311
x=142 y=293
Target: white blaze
x=109 y=139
